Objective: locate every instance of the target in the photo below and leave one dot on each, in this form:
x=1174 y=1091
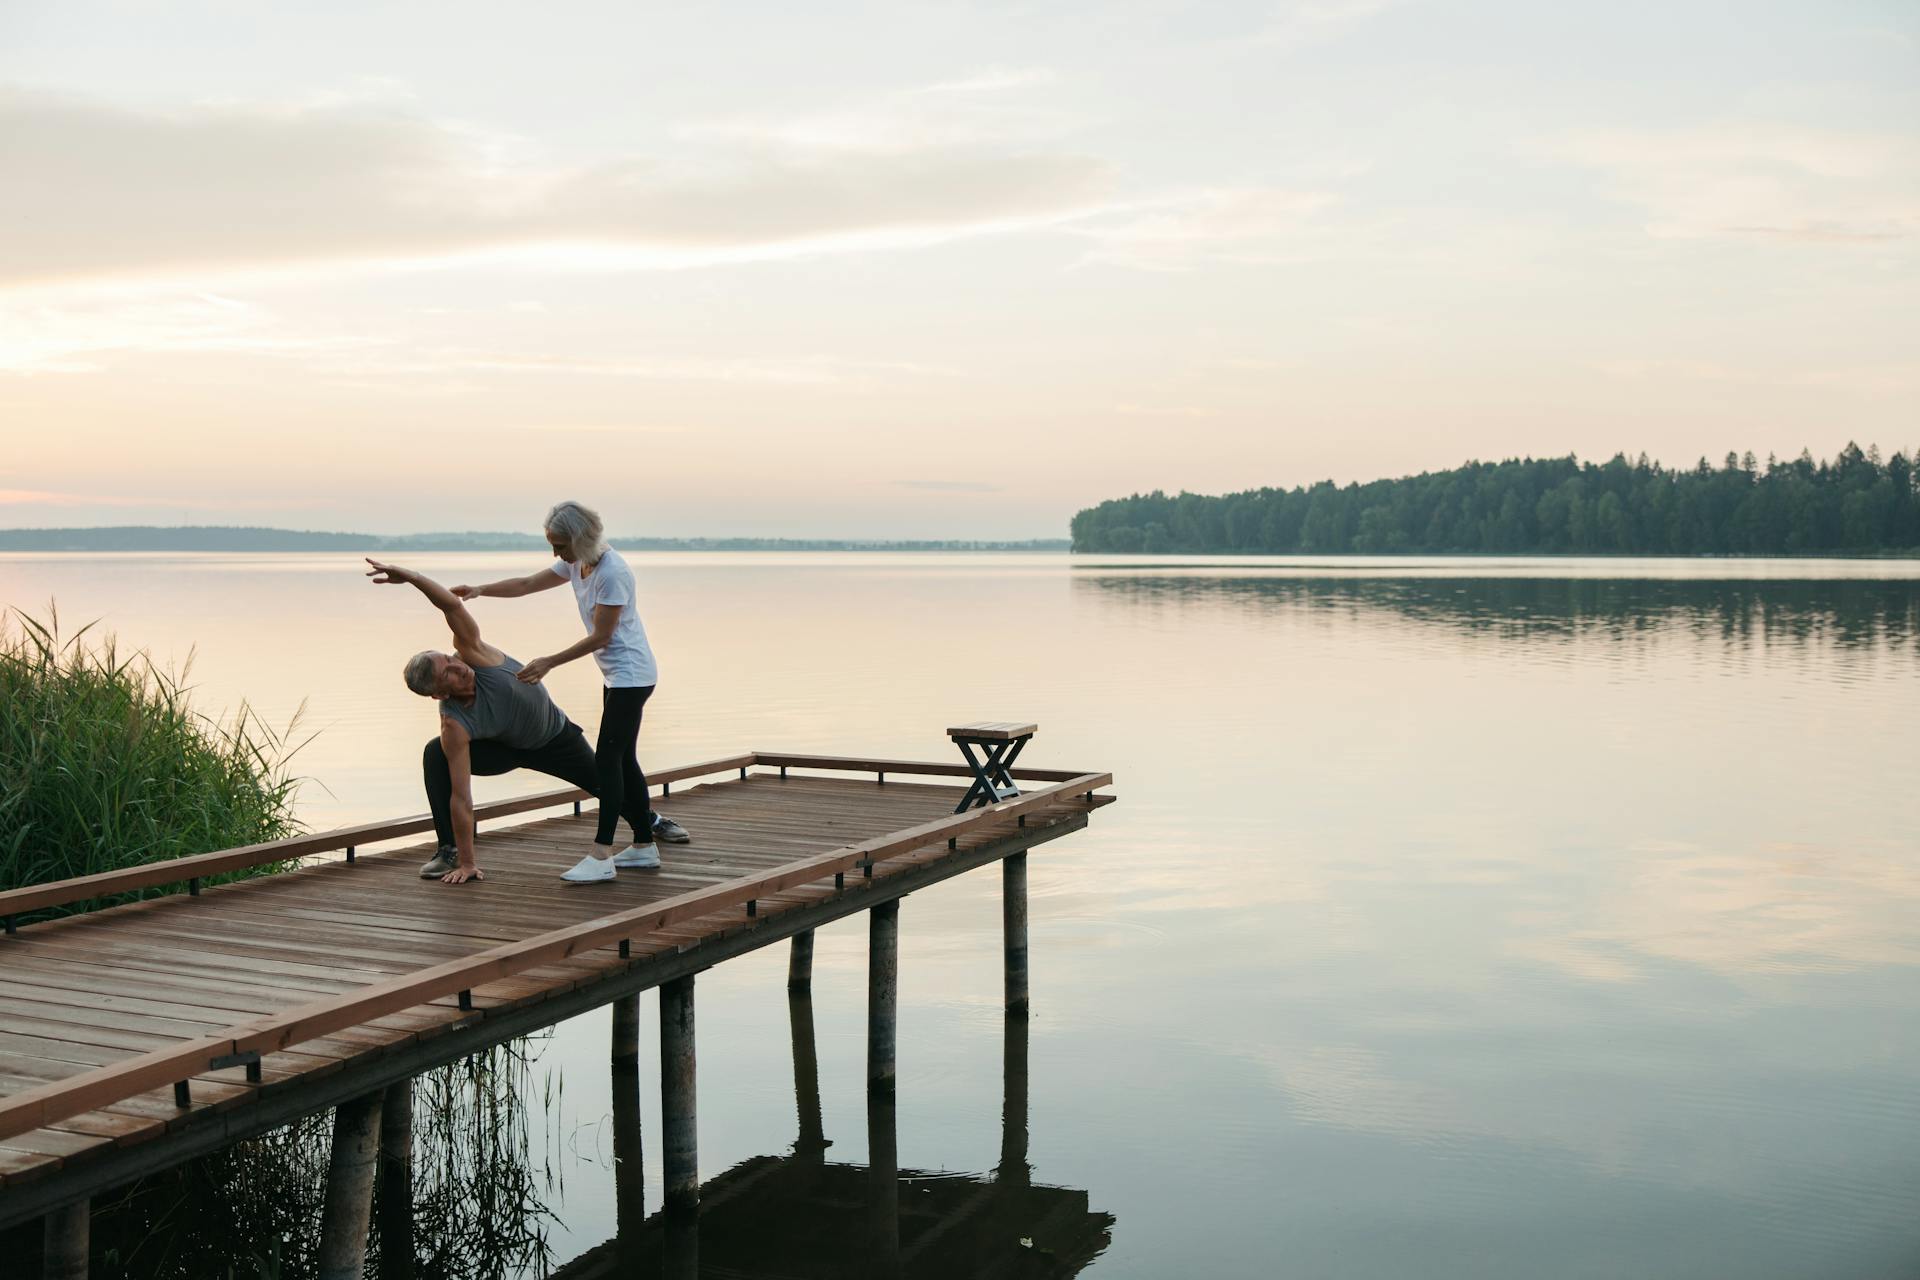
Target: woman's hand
x=535 y=670
x=469 y=593
x=387 y=574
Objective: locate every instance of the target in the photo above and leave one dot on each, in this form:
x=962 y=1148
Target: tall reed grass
x=105 y=764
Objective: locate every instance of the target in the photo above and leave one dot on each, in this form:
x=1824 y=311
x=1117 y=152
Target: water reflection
x=801 y=1215
x=475 y=1208
x=1850 y=613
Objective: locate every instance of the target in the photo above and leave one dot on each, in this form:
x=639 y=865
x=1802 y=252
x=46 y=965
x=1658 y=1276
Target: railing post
x=679 y=1132
x=1013 y=913
x=883 y=993
x=348 y=1206
x=65 y=1241
x=800 y=962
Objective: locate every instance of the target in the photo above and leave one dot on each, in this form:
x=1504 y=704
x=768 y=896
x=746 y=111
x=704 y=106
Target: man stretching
x=493 y=723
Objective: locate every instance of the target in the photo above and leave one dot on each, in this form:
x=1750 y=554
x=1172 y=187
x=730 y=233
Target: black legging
x=565 y=756
x=617 y=766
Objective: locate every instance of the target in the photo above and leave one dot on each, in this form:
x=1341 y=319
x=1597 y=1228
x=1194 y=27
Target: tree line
x=1857 y=503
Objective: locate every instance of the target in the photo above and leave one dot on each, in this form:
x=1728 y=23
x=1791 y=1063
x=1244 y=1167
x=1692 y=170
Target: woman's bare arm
x=605 y=618
x=511 y=588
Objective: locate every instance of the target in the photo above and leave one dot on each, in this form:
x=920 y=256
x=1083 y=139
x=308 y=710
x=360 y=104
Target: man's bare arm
x=466 y=631
x=454 y=741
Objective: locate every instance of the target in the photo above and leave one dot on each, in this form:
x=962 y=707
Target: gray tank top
x=505 y=710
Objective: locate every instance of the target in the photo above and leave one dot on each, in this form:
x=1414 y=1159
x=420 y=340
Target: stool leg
x=981 y=786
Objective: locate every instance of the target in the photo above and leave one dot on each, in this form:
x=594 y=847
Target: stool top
x=993 y=731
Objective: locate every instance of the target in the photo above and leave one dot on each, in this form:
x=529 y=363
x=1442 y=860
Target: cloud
x=1234 y=225
x=949 y=486
x=98 y=190
x=1308 y=21
x=979 y=111
x=49 y=498
x=73 y=333
x=1744 y=181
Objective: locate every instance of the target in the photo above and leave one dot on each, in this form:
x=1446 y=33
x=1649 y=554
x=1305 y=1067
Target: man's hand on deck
x=463 y=873
x=388 y=574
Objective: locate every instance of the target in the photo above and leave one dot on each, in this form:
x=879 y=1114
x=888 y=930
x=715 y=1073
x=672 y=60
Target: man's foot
x=644 y=856
x=441 y=863
x=667 y=831
x=589 y=870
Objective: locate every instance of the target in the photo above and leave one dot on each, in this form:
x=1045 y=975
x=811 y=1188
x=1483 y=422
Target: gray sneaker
x=667 y=831
x=441 y=863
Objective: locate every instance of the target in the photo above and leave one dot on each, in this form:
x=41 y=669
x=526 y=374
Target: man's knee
x=433 y=757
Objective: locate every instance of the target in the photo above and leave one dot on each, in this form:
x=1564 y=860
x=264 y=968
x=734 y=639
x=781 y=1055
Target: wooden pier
x=137 y=1036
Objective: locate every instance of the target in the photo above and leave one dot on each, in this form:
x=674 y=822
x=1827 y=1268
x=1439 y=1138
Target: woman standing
x=603 y=589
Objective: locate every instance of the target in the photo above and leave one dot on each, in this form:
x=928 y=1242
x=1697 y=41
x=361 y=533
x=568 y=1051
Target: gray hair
x=419 y=673
x=580 y=527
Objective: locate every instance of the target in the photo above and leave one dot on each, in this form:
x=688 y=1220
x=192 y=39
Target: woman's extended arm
x=510 y=588
x=605 y=618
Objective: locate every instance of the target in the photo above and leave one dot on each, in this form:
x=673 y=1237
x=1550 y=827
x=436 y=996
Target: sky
x=929 y=270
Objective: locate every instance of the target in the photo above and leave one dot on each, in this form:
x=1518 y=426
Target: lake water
x=1463 y=918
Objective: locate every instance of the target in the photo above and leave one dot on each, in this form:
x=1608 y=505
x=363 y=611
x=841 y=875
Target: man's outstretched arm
x=454 y=741
x=466 y=631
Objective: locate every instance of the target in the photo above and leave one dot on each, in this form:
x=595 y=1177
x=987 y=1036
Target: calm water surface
x=1459 y=918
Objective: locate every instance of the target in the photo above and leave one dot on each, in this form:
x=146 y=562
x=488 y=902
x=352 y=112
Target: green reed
x=252 y=1210
x=105 y=763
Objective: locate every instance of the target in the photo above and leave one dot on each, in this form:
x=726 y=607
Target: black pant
x=565 y=756
x=622 y=787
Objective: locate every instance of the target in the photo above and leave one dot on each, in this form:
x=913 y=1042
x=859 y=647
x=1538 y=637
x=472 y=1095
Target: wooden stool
x=1001 y=740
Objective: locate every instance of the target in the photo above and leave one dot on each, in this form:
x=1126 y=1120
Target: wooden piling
x=811 y=1140
x=349 y=1196
x=626 y=1031
x=682 y=1260
x=629 y=1175
x=393 y=1192
x=1014 y=1171
x=65 y=1240
x=679 y=1139
x=1013 y=913
x=800 y=962
x=883 y=993
x=883 y=1187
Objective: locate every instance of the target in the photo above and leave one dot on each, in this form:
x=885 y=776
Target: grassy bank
x=105 y=764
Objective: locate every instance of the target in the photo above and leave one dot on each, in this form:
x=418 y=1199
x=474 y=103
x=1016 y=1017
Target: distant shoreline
x=266 y=540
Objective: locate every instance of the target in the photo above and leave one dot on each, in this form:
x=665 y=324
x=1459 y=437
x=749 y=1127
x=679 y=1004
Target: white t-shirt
x=627 y=661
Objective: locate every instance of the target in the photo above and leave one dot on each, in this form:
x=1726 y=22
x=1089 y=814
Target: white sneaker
x=589 y=870
x=644 y=856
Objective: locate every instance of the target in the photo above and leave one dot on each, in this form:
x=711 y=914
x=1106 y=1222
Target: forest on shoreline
x=1857 y=504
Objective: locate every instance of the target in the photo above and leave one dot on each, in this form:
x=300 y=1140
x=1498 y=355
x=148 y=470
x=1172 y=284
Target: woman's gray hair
x=581 y=529
x=419 y=673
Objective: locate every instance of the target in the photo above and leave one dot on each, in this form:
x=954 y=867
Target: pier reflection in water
x=476 y=1205
x=801 y=1214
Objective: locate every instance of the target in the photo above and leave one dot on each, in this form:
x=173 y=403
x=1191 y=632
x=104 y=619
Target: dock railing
x=243 y=1043
x=190 y=870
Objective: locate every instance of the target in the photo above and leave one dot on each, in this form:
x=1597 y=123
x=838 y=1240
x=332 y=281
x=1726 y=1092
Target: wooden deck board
x=91 y=991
